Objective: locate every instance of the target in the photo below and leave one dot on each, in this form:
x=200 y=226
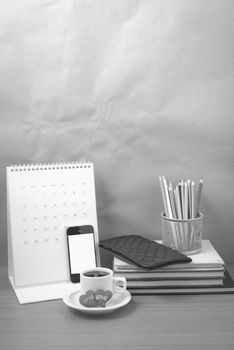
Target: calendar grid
x=43 y=201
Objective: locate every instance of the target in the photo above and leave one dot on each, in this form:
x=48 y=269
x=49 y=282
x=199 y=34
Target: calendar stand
x=42 y=201
x=42 y=293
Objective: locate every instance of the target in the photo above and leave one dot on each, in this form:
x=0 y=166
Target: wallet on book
x=143 y=252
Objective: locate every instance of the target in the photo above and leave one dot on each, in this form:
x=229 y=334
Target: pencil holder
x=182 y=235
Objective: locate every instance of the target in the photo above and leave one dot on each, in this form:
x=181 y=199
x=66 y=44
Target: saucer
x=117 y=301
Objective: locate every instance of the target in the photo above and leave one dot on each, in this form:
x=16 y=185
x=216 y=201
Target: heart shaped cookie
x=88 y=299
x=102 y=297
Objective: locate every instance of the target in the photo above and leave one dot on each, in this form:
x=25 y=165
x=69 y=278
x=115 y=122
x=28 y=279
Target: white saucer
x=117 y=301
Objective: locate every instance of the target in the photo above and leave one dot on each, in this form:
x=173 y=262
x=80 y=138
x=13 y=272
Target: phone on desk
x=81 y=250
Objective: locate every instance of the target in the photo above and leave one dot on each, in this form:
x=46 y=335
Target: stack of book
x=205 y=274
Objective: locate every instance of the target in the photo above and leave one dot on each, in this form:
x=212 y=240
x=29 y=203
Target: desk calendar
x=42 y=201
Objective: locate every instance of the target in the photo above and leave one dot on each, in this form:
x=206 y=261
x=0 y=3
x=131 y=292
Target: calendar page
x=43 y=200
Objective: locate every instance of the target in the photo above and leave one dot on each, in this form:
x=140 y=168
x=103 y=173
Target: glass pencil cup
x=183 y=235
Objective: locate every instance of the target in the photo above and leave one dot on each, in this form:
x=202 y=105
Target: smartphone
x=81 y=250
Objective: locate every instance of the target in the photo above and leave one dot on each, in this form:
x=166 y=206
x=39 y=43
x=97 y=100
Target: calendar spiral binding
x=51 y=166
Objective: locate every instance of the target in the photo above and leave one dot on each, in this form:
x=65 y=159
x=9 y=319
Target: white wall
x=139 y=87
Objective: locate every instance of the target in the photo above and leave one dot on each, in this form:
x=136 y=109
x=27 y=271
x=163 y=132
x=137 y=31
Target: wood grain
x=152 y=322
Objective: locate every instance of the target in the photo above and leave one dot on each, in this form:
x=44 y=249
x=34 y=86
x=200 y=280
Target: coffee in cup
x=101 y=278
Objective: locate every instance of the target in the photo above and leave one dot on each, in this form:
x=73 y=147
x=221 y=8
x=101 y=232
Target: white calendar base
x=34 y=294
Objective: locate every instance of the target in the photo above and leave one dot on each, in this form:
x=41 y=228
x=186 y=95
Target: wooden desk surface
x=150 y=322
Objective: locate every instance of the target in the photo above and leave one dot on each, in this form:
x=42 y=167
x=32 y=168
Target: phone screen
x=82 y=254
x=81 y=250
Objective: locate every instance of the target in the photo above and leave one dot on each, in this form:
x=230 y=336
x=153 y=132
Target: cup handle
x=117 y=288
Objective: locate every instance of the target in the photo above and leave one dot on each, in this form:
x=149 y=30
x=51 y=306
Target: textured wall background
x=140 y=88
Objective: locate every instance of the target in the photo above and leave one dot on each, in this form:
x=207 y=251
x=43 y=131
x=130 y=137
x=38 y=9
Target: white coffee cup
x=101 y=278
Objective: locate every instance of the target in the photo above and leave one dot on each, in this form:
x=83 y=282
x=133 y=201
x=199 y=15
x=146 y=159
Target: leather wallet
x=143 y=252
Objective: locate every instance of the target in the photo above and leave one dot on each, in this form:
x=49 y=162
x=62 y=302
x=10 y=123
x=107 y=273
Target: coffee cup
x=101 y=278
